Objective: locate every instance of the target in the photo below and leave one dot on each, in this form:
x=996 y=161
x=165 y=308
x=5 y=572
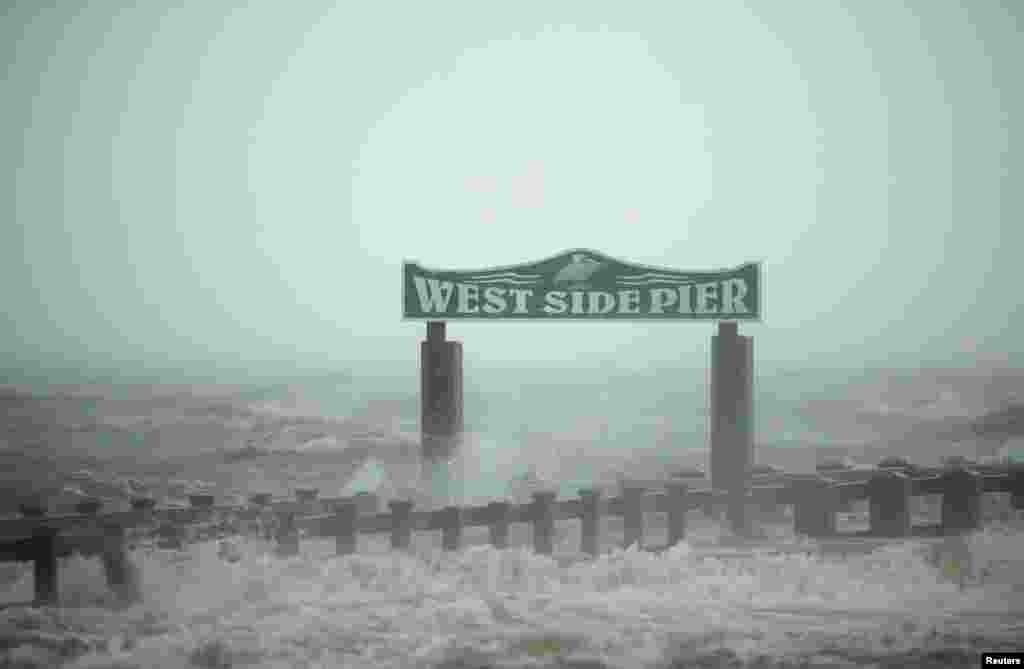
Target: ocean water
x=525 y=428
x=562 y=432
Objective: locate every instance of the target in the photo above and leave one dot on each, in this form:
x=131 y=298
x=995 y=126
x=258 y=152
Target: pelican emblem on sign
x=576 y=273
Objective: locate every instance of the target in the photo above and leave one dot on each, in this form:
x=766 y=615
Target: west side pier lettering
x=582 y=284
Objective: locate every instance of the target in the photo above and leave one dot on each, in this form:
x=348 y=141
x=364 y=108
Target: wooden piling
x=451 y=528
x=260 y=499
x=35 y=506
x=677 y=509
x=737 y=511
x=544 y=522
x=732 y=409
x=590 y=522
x=441 y=389
x=44 y=563
x=498 y=514
x=114 y=555
x=632 y=516
x=889 y=497
x=401 y=524
x=1016 y=474
x=344 y=525
x=201 y=501
x=117 y=564
x=89 y=507
x=143 y=503
x=307 y=497
x=170 y=536
x=961 y=500
x=287 y=534
x=369 y=503
x=815 y=503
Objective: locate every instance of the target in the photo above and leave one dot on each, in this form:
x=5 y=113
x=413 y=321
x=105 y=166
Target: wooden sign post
x=732 y=417
x=441 y=418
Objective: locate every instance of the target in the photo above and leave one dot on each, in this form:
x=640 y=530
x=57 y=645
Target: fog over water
x=198 y=187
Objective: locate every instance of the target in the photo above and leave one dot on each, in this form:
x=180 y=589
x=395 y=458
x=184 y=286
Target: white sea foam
x=627 y=609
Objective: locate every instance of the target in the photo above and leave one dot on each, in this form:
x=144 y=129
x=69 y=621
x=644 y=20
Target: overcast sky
x=201 y=184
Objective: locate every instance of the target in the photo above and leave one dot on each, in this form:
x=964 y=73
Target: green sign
x=582 y=285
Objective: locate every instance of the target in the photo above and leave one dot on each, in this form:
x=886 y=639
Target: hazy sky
x=199 y=183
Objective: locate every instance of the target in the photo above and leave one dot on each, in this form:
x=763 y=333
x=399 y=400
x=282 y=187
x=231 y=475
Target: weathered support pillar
x=117 y=566
x=497 y=529
x=451 y=528
x=544 y=522
x=737 y=512
x=201 y=501
x=401 y=524
x=345 y=527
x=678 y=505
x=170 y=535
x=368 y=502
x=441 y=417
x=89 y=507
x=268 y=521
x=889 y=497
x=114 y=556
x=44 y=562
x=308 y=498
x=143 y=504
x=1016 y=474
x=815 y=503
x=732 y=414
x=287 y=534
x=632 y=516
x=707 y=506
x=260 y=499
x=961 y=501
x=590 y=522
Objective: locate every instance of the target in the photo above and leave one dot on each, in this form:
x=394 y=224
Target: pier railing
x=815 y=500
